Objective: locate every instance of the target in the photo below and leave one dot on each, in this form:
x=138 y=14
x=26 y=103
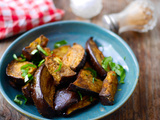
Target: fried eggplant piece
x=42 y=92
x=63 y=99
x=13 y=70
x=61 y=51
x=26 y=51
x=82 y=104
x=60 y=72
x=26 y=90
x=109 y=88
x=86 y=83
x=75 y=57
x=96 y=57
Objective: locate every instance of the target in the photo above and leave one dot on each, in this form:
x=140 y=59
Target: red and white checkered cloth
x=17 y=16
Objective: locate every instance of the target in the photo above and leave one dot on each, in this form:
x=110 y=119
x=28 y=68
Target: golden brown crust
x=75 y=57
x=109 y=88
x=42 y=41
x=85 y=84
x=61 y=51
x=13 y=70
x=84 y=103
x=64 y=74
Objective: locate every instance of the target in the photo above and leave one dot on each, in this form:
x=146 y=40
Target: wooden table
x=144 y=104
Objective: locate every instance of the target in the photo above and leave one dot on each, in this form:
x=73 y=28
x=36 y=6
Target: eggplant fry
x=61 y=51
x=64 y=99
x=26 y=51
x=13 y=70
x=109 y=89
x=41 y=87
x=26 y=90
x=96 y=57
x=86 y=83
x=75 y=58
x=60 y=72
x=82 y=104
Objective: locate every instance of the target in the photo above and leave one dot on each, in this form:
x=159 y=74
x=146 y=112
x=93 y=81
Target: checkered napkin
x=17 y=16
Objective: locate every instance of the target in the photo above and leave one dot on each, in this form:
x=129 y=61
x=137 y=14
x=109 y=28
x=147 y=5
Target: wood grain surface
x=144 y=104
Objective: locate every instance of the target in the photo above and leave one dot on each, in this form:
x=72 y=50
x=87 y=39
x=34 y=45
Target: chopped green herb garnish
x=42 y=50
x=16 y=58
x=124 y=57
x=86 y=74
x=60 y=43
x=34 y=51
x=119 y=89
x=51 y=52
x=41 y=62
x=114 y=67
x=113 y=74
x=28 y=65
x=28 y=78
x=80 y=95
x=91 y=98
x=119 y=70
x=60 y=66
x=25 y=69
x=93 y=72
x=20 y=102
x=23 y=56
x=93 y=79
x=105 y=62
x=24 y=72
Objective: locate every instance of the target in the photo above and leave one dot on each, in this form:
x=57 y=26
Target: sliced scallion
x=42 y=50
x=28 y=65
x=60 y=43
x=60 y=66
x=80 y=95
x=41 y=62
x=34 y=51
x=16 y=58
x=20 y=102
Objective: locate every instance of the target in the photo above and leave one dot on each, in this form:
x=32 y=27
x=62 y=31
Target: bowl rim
x=71 y=22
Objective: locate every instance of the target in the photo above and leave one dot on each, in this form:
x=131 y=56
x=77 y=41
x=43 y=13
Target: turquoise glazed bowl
x=73 y=31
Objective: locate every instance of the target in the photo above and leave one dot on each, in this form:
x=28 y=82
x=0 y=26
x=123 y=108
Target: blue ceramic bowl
x=79 y=32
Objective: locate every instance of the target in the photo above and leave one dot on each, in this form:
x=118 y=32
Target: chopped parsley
x=114 y=67
x=94 y=74
x=105 y=62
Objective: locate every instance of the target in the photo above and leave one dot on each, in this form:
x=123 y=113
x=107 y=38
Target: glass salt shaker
x=138 y=16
